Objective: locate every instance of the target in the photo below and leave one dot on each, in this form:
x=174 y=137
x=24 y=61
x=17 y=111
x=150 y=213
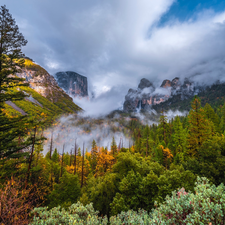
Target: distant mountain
x=170 y=95
x=73 y=83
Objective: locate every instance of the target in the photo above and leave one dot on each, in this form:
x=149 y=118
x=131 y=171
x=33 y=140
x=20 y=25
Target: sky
x=116 y=43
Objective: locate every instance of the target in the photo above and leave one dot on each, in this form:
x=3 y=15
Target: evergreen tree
x=200 y=129
x=94 y=155
x=212 y=116
x=179 y=136
x=163 y=129
x=113 y=147
x=222 y=123
x=11 y=61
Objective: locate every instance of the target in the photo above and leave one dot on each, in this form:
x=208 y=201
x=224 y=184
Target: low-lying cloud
x=85 y=130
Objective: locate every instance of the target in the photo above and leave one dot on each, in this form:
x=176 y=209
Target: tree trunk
x=62 y=161
x=82 y=172
x=30 y=159
x=75 y=157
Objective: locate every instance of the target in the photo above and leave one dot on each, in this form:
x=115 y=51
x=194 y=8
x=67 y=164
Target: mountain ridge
x=170 y=94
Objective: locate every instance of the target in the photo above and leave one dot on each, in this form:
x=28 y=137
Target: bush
x=205 y=206
x=76 y=214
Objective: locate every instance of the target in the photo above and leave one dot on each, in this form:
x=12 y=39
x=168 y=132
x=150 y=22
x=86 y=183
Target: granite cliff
x=73 y=83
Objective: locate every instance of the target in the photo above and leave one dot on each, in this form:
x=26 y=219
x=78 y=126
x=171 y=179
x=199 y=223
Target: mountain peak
x=145 y=83
x=166 y=83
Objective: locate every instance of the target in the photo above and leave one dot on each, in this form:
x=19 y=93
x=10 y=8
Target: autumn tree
x=104 y=162
x=16 y=203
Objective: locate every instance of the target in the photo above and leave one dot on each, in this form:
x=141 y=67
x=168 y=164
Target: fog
x=84 y=130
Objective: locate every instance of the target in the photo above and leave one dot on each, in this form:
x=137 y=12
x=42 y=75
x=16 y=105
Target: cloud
x=105 y=102
x=116 y=43
x=84 y=130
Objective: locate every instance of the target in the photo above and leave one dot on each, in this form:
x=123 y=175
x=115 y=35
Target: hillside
x=44 y=97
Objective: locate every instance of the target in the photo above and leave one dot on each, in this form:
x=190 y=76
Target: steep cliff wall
x=73 y=83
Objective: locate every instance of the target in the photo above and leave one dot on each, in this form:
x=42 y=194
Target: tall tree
x=11 y=61
x=163 y=129
x=113 y=147
x=200 y=129
x=94 y=155
x=212 y=116
x=179 y=136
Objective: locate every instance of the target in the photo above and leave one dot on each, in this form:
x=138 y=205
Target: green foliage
x=76 y=214
x=200 y=129
x=66 y=192
x=39 y=71
x=205 y=206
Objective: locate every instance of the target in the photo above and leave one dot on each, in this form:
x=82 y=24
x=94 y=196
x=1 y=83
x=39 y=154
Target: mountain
x=73 y=83
x=171 y=95
x=44 y=96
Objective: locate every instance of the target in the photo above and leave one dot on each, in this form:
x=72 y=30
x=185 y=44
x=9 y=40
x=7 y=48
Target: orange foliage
x=16 y=202
x=167 y=155
x=70 y=169
x=104 y=162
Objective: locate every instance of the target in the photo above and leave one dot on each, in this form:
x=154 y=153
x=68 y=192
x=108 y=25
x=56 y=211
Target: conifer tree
x=222 y=123
x=11 y=61
x=200 y=128
x=113 y=147
x=212 y=116
x=179 y=136
x=163 y=129
x=94 y=155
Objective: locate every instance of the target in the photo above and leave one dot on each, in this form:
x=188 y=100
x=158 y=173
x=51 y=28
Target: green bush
x=76 y=214
x=205 y=206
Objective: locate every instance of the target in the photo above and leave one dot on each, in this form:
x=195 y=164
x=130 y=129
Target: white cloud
x=118 y=42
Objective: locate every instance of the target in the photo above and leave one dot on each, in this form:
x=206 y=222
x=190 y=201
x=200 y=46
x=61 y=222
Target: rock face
x=73 y=83
x=147 y=95
x=45 y=84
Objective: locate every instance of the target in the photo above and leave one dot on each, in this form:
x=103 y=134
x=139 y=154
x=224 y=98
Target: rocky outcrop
x=45 y=84
x=42 y=82
x=147 y=95
x=73 y=83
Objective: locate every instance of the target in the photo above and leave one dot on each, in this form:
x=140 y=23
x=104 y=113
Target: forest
x=171 y=173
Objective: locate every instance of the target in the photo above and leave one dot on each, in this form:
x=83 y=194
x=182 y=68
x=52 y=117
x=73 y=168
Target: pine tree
x=222 y=123
x=179 y=136
x=212 y=116
x=200 y=129
x=94 y=155
x=163 y=129
x=113 y=147
x=11 y=61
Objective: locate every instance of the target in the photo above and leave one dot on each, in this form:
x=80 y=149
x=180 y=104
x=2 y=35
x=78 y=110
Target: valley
x=120 y=117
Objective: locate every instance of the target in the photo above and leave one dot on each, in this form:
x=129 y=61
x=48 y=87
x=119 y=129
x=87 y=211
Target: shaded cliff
x=73 y=83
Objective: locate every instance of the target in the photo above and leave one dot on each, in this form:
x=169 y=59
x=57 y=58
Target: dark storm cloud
x=118 y=42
